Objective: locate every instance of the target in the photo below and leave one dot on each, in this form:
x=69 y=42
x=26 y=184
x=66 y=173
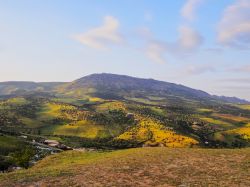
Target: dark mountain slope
x=111 y=85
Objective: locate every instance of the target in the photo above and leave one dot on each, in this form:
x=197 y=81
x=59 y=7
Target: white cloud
x=156 y=51
x=241 y=69
x=237 y=80
x=234 y=27
x=104 y=36
x=188 y=10
x=189 y=39
x=101 y=37
x=196 y=70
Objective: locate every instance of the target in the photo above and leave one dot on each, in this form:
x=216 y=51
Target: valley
x=104 y=113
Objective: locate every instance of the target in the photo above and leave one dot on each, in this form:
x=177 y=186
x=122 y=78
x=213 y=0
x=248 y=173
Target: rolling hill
x=107 y=112
x=22 y=87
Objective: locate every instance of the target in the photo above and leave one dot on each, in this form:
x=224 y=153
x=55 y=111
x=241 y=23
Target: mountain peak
x=110 y=85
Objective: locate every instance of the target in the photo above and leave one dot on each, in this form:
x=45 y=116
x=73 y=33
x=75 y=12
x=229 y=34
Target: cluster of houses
x=56 y=144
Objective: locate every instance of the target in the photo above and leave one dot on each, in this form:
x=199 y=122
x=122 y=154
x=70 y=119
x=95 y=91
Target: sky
x=203 y=44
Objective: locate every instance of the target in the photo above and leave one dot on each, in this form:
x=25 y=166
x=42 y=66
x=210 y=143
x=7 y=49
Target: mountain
x=19 y=87
x=122 y=83
x=108 y=111
x=231 y=99
x=112 y=86
x=120 y=86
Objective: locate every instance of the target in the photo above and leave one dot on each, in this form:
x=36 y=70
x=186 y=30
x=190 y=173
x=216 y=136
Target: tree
x=5 y=163
x=23 y=157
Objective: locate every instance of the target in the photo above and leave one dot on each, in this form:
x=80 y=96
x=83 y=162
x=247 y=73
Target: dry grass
x=138 y=167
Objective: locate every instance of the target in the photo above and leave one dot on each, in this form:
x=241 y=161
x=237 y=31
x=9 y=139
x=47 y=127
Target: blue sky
x=204 y=44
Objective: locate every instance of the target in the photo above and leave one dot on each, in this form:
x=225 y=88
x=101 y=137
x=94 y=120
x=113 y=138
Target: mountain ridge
x=115 y=84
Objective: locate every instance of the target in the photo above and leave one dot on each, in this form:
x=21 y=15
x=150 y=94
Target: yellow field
x=244 y=132
x=245 y=107
x=81 y=129
x=14 y=101
x=153 y=133
x=17 y=101
x=142 y=100
x=217 y=122
x=49 y=110
x=112 y=105
x=53 y=110
x=231 y=117
x=31 y=123
x=205 y=110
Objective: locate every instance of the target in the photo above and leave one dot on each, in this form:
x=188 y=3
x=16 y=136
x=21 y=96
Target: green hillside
x=109 y=120
x=112 y=110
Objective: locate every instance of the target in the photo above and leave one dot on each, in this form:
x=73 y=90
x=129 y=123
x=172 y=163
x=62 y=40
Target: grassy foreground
x=138 y=167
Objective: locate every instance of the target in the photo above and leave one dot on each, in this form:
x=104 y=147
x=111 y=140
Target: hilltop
x=138 y=167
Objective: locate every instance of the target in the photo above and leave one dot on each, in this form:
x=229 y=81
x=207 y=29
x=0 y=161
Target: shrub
x=23 y=157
